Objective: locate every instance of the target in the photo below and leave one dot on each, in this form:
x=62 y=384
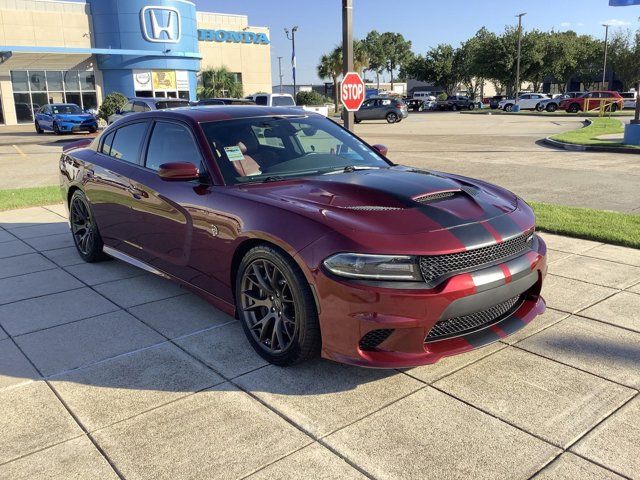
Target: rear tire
x=614 y=108
x=391 y=117
x=86 y=236
x=454 y=108
x=539 y=108
x=38 y=129
x=356 y=119
x=573 y=108
x=472 y=106
x=276 y=307
x=552 y=107
x=56 y=129
x=508 y=107
x=93 y=130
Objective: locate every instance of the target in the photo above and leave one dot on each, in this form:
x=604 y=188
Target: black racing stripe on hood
x=505 y=226
x=471 y=235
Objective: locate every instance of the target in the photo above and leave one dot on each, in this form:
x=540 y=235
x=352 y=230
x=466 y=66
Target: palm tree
x=330 y=65
x=219 y=82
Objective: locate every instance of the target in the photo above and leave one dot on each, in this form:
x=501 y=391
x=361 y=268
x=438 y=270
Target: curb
x=571 y=147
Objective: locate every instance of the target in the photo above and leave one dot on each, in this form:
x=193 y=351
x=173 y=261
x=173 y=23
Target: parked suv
x=456 y=102
x=495 y=100
x=146 y=104
x=526 y=101
x=612 y=101
x=378 y=108
x=552 y=104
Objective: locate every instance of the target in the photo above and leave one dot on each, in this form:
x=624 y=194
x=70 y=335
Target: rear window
x=127 y=142
x=282 y=101
x=261 y=100
x=628 y=95
x=171 y=104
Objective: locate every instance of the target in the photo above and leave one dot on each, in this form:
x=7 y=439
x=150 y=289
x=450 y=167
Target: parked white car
x=629 y=99
x=424 y=96
x=527 y=101
x=284 y=100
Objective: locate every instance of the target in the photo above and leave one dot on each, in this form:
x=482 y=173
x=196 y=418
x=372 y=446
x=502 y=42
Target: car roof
x=63 y=104
x=222 y=112
x=156 y=99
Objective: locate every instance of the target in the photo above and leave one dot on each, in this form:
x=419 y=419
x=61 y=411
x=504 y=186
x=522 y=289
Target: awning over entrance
x=62 y=58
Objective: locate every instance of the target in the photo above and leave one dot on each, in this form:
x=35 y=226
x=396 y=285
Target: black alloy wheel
x=614 y=107
x=573 y=108
x=84 y=229
x=472 y=106
x=56 y=129
x=508 y=107
x=391 y=117
x=38 y=129
x=276 y=307
x=552 y=107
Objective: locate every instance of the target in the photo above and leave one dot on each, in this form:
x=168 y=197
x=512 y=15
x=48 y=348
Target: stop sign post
x=352 y=92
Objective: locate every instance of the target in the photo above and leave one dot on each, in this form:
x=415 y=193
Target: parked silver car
x=382 y=108
x=552 y=104
x=146 y=104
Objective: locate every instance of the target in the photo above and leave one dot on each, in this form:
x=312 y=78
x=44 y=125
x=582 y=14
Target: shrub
x=442 y=97
x=310 y=98
x=112 y=103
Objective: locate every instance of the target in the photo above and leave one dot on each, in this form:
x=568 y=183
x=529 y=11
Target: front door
x=171 y=219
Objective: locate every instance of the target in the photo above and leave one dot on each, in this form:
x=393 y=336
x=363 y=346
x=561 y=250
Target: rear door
x=108 y=186
x=45 y=118
x=164 y=209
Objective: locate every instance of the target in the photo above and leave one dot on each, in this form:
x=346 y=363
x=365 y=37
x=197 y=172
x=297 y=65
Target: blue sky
x=425 y=22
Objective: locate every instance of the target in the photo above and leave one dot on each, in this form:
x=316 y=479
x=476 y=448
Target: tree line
x=489 y=56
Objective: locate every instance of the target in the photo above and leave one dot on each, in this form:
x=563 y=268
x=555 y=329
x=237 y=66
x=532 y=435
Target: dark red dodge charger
x=311 y=237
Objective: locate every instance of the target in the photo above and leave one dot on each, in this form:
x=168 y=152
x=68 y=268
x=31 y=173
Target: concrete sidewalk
x=107 y=372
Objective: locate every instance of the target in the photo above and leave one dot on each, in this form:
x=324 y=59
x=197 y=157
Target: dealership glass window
x=35 y=88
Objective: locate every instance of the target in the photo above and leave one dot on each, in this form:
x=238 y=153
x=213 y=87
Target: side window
x=128 y=107
x=261 y=100
x=126 y=144
x=386 y=102
x=171 y=142
x=139 y=107
x=106 y=145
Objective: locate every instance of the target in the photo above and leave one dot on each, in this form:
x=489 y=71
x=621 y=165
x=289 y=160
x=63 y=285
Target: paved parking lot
x=499 y=148
x=108 y=372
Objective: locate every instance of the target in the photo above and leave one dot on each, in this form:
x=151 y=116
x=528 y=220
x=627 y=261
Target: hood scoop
x=434 y=197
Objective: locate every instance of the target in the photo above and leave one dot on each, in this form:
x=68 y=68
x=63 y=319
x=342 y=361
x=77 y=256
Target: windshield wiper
x=353 y=168
x=273 y=178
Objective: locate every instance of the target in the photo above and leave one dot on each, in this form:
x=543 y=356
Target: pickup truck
x=284 y=100
x=456 y=102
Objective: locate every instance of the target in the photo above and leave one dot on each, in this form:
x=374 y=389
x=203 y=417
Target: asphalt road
x=497 y=148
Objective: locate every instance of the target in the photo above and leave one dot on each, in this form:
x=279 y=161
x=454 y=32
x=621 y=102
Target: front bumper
x=77 y=127
x=350 y=310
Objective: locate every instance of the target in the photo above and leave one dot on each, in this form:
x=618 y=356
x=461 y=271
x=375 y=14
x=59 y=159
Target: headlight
x=374 y=267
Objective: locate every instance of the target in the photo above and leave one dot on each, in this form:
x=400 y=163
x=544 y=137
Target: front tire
x=454 y=108
x=391 y=117
x=539 y=108
x=573 y=108
x=552 y=107
x=276 y=307
x=508 y=107
x=86 y=236
x=614 y=108
x=472 y=106
x=56 y=129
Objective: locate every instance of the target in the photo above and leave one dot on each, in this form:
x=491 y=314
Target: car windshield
x=282 y=101
x=274 y=148
x=62 y=109
x=171 y=104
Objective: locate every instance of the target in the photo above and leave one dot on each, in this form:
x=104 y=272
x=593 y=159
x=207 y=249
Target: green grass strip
x=588 y=135
x=29 y=197
x=603 y=226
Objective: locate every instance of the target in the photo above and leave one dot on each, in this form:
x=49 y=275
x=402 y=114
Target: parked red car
x=311 y=237
x=612 y=101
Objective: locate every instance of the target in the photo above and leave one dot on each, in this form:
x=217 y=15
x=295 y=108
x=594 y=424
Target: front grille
x=432 y=197
x=434 y=267
x=474 y=321
x=374 y=338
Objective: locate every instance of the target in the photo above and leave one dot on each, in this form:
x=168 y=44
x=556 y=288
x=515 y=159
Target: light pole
x=606 y=46
x=520 y=15
x=280 y=72
x=347 y=53
x=293 y=54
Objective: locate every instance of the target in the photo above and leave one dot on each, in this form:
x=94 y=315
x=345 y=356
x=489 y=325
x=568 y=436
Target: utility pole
x=347 y=53
x=293 y=55
x=280 y=72
x=520 y=15
x=606 y=47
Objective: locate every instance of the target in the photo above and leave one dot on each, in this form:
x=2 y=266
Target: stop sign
x=352 y=91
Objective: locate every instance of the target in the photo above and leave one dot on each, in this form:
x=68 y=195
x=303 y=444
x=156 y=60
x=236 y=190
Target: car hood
x=396 y=200
x=74 y=117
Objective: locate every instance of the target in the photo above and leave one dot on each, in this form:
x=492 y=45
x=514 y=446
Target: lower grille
x=374 y=338
x=474 y=321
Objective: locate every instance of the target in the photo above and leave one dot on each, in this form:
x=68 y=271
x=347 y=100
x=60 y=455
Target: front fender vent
x=372 y=208
x=374 y=338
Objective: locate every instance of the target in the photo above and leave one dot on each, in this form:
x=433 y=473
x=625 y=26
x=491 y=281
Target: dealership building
x=57 y=51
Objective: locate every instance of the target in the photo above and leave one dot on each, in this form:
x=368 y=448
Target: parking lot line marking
x=19 y=151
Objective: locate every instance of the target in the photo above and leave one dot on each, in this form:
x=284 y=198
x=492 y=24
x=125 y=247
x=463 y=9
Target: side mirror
x=176 y=171
x=381 y=149
x=119 y=111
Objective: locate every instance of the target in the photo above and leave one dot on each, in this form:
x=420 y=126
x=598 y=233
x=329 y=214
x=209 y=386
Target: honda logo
x=160 y=24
